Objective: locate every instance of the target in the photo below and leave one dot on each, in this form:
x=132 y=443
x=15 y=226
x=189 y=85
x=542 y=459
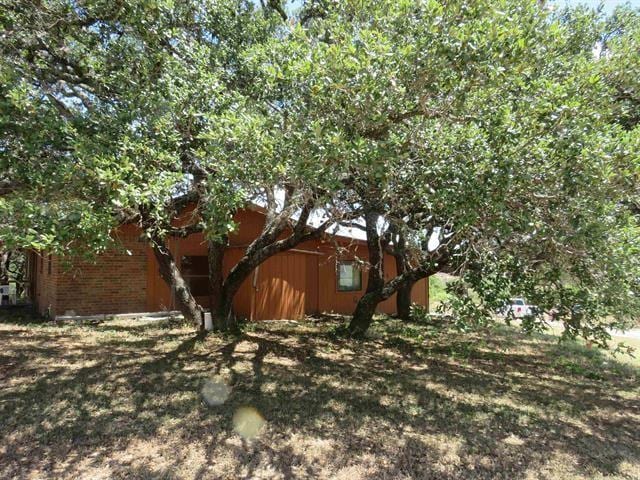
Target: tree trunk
x=363 y=314
x=403 y=301
x=366 y=306
x=223 y=290
x=266 y=245
x=403 y=296
x=222 y=309
x=221 y=306
x=378 y=290
x=5 y=260
x=222 y=314
x=170 y=273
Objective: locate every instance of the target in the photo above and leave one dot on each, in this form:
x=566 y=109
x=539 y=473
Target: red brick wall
x=114 y=282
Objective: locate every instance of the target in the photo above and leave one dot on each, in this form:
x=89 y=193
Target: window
x=49 y=265
x=41 y=263
x=195 y=270
x=349 y=277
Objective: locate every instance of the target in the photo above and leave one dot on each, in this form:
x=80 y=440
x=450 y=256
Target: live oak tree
x=488 y=129
x=401 y=250
x=619 y=59
x=262 y=153
x=5 y=266
x=481 y=138
x=265 y=155
x=297 y=133
x=132 y=112
x=617 y=54
x=102 y=107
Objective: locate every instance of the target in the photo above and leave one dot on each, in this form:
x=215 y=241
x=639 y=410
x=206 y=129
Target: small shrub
x=340 y=330
x=421 y=315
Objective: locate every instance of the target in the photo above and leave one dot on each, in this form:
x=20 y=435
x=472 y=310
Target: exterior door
x=280 y=287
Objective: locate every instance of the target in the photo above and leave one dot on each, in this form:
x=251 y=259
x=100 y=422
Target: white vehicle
x=519 y=308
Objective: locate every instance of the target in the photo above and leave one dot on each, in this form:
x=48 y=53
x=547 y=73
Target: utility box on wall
x=7 y=295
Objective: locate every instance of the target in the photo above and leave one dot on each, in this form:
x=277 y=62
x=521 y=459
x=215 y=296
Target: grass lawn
x=122 y=399
x=438 y=289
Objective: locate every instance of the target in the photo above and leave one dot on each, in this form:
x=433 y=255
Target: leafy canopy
x=491 y=125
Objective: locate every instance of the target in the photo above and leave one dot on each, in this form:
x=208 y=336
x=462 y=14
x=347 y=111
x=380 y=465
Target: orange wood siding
x=281 y=287
x=332 y=300
x=288 y=285
x=312 y=284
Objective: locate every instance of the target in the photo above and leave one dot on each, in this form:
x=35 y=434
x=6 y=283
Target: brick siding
x=115 y=282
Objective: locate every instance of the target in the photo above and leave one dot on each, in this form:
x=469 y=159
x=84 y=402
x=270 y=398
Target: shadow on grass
x=420 y=406
x=20 y=315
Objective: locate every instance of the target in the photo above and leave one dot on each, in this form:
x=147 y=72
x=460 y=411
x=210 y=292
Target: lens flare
x=247 y=422
x=215 y=392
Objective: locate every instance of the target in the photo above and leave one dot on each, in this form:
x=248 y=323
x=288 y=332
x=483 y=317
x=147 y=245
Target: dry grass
x=122 y=400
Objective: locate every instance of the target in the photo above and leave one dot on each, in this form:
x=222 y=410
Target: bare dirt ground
x=122 y=399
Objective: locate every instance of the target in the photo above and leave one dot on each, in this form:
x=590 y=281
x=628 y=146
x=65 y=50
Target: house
x=318 y=276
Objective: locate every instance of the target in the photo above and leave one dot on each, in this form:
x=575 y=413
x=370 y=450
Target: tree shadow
x=382 y=408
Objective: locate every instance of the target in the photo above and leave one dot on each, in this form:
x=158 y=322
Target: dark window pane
x=199 y=286
x=195 y=265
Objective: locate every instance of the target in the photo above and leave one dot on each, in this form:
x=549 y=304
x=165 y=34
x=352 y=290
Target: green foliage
x=339 y=330
x=437 y=291
x=494 y=127
x=106 y=109
x=436 y=321
x=419 y=313
x=489 y=126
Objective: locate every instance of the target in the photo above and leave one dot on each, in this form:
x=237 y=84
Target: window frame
x=356 y=268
